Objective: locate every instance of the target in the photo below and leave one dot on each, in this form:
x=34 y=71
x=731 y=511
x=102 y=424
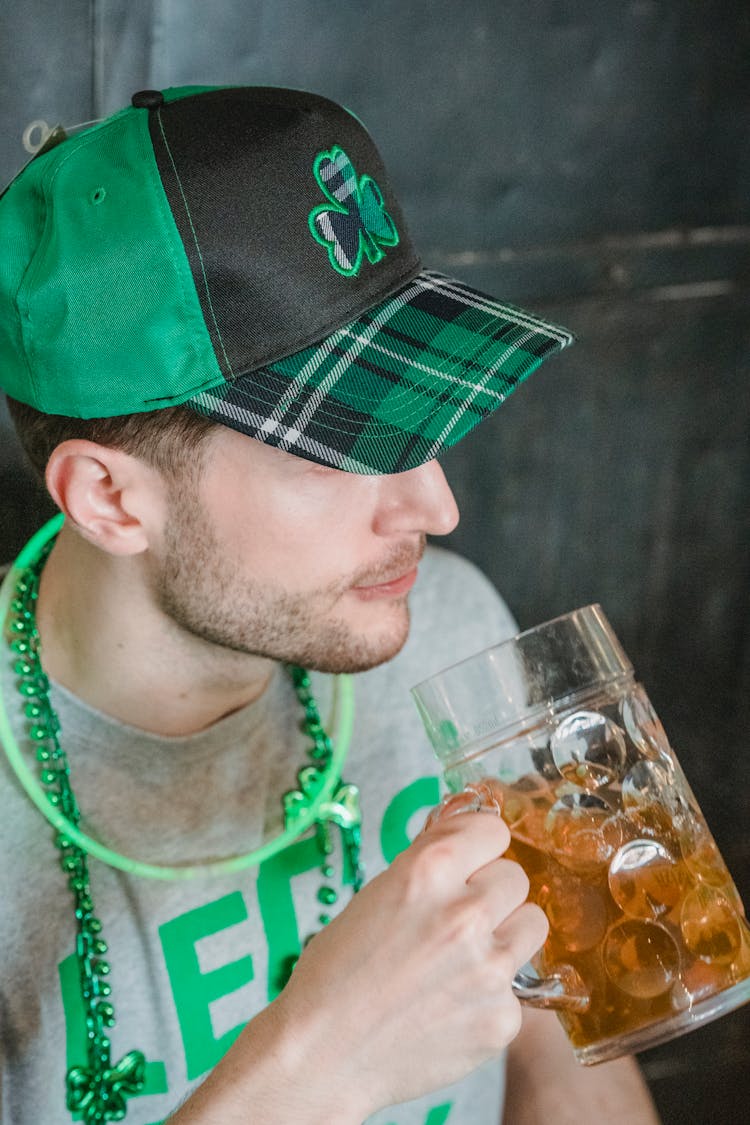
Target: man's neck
x=105 y=640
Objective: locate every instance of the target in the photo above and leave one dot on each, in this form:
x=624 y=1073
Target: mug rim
x=592 y=609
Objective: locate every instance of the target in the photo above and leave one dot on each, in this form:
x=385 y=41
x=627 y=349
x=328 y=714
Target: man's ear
x=113 y=499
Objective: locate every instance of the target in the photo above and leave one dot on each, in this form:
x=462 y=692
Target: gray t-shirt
x=192 y=961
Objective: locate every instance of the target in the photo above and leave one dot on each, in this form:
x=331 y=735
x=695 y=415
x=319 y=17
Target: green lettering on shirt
x=75 y=1030
x=193 y=990
x=438 y=1115
x=276 y=904
x=421 y=794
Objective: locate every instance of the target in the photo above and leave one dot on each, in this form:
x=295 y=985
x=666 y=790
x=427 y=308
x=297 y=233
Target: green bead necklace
x=98 y=1091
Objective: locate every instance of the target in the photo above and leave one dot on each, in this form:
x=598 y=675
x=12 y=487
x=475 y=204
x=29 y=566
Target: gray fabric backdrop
x=590 y=159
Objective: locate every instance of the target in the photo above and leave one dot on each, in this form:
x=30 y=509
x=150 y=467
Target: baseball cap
x=239 y=250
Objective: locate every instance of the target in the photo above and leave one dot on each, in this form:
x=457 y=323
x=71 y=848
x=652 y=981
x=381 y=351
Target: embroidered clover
x=357 y=226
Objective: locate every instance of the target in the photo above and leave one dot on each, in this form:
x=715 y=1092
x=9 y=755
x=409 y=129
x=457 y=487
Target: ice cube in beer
x=574 y=828
x=643 y=725
x=645 y=879
x=589 y=749
x=618 y=829
x=650 y=796
x=710 y=925
x=699 y=980
x=700 y=851
x=641 y=958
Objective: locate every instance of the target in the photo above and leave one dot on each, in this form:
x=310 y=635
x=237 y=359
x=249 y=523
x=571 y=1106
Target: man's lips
x=392 y=588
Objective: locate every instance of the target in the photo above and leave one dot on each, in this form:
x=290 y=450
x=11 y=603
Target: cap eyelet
x=147 y=99
x=98 y=195
x=34 y=136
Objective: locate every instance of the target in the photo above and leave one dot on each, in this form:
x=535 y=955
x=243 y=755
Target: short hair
x=168 y=439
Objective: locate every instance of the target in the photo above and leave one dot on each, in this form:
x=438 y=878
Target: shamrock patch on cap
x=355 y=223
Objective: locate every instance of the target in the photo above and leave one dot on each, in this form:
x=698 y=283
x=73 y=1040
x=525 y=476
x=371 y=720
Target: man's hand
x=423 y=961
x=407 y=990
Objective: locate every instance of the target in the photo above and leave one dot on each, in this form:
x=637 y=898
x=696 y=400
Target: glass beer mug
x=648 y=936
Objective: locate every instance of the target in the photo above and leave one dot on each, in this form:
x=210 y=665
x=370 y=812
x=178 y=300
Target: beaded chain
x=343 y=809
x=98 y=1091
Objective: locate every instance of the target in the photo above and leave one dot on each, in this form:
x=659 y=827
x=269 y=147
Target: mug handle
x=563 y=990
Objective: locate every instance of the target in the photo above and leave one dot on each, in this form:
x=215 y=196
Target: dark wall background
x=590 y=159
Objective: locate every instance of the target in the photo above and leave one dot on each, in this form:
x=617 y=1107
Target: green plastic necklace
x=98 y=1092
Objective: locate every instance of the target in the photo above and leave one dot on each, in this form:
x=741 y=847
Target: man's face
x=273 y=555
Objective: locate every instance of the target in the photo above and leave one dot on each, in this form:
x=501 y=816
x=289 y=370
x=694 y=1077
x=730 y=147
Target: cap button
x=147 y=99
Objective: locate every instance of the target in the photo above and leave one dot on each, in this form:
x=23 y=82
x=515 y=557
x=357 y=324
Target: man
x=223 y=356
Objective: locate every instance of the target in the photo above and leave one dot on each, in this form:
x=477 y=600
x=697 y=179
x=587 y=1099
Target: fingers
x=502 y=885
x=521 y=935
x=460 y=845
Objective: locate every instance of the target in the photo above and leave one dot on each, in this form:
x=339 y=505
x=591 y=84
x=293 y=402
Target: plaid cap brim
x=390 y=390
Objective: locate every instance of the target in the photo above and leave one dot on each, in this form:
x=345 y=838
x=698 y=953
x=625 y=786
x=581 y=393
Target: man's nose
x=419 y=500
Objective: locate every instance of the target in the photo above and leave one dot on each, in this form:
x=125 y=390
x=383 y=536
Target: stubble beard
x=204 y=594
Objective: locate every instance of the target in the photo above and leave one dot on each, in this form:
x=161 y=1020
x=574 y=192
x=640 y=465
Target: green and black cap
x=239 y=250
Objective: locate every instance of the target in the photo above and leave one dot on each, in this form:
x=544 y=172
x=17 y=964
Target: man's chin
x=359 y=652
